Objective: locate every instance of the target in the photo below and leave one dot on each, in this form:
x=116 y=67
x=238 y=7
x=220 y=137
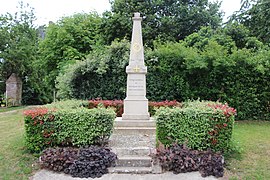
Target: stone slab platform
x=134 y=123
x=49 y=175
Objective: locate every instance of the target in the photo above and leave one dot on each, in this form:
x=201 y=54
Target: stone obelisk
x=136 y=104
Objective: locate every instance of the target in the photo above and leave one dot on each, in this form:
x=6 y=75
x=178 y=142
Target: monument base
x=133 y=142
x=136 y=110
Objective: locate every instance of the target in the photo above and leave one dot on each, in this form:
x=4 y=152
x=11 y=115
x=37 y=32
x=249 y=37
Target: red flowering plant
x=118 y=105
x=223 y=125
x=153 y=106
x=227 y=111
x=39 y=129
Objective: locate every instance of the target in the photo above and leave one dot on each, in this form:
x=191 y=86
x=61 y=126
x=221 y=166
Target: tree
x=101 y=75
x=232 y=36
x=19 y=44
x=18 y=41
x=255 y=15
x=68 y=40
x=166 y=20
x=242 y=36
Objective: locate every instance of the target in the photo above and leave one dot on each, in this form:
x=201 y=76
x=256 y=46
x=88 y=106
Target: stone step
x=130 y=170
x=130 y=140
x=139 y=151
x=134 y=161
x=134 y=130
x=134 y=123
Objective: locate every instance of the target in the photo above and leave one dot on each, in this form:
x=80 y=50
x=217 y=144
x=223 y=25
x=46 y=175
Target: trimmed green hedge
x=201 y=125
x=211 y=69
x=67 y=127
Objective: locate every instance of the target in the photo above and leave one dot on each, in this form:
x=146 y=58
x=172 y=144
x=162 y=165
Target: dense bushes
x=180 y=159
x=206 y=66
x=84 y=162
x=73 y=127
x=102 y=74
x=239 y=77
x=58 y=159
x=201 y=125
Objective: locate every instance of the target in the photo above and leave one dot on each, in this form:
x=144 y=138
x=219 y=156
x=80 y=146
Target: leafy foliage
x=255 y=15
x=58 y=159
x=205 y=65
x=73 y=127
x=165 y=20
x=66 y=41
x=211 y=164
x=116 y=105
x=181 y=159
x=201 y=125
x=84 y=162
x=154 y=106
x=92 y=162
x=39 y=129
x=211 y=71
x=18 y=41
x=96 y=125
x=18 y=53
x=105 y=66
x=67 y=104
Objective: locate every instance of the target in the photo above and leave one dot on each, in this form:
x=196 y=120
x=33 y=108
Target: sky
x=52 y=10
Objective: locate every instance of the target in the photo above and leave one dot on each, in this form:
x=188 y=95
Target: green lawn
x=4 y=109
x=254 y=161
x=253 y=137
x=15 y=162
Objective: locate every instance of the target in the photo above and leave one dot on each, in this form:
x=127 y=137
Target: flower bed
x=118 y=105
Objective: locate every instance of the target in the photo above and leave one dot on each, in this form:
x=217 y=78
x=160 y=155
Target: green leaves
x=71 y=125
x=83 y=127
x=102 y=74
x=164 y=20
x=197 y=124
x=69 y=40
x=255 y=15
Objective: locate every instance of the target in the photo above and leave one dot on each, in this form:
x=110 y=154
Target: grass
x=254 y=161
x=4 y=109
x=15 y=162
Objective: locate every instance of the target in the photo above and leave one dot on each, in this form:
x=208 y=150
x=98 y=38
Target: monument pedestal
x=135 y=110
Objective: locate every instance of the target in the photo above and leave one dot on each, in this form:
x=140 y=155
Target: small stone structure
x=14 y=90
